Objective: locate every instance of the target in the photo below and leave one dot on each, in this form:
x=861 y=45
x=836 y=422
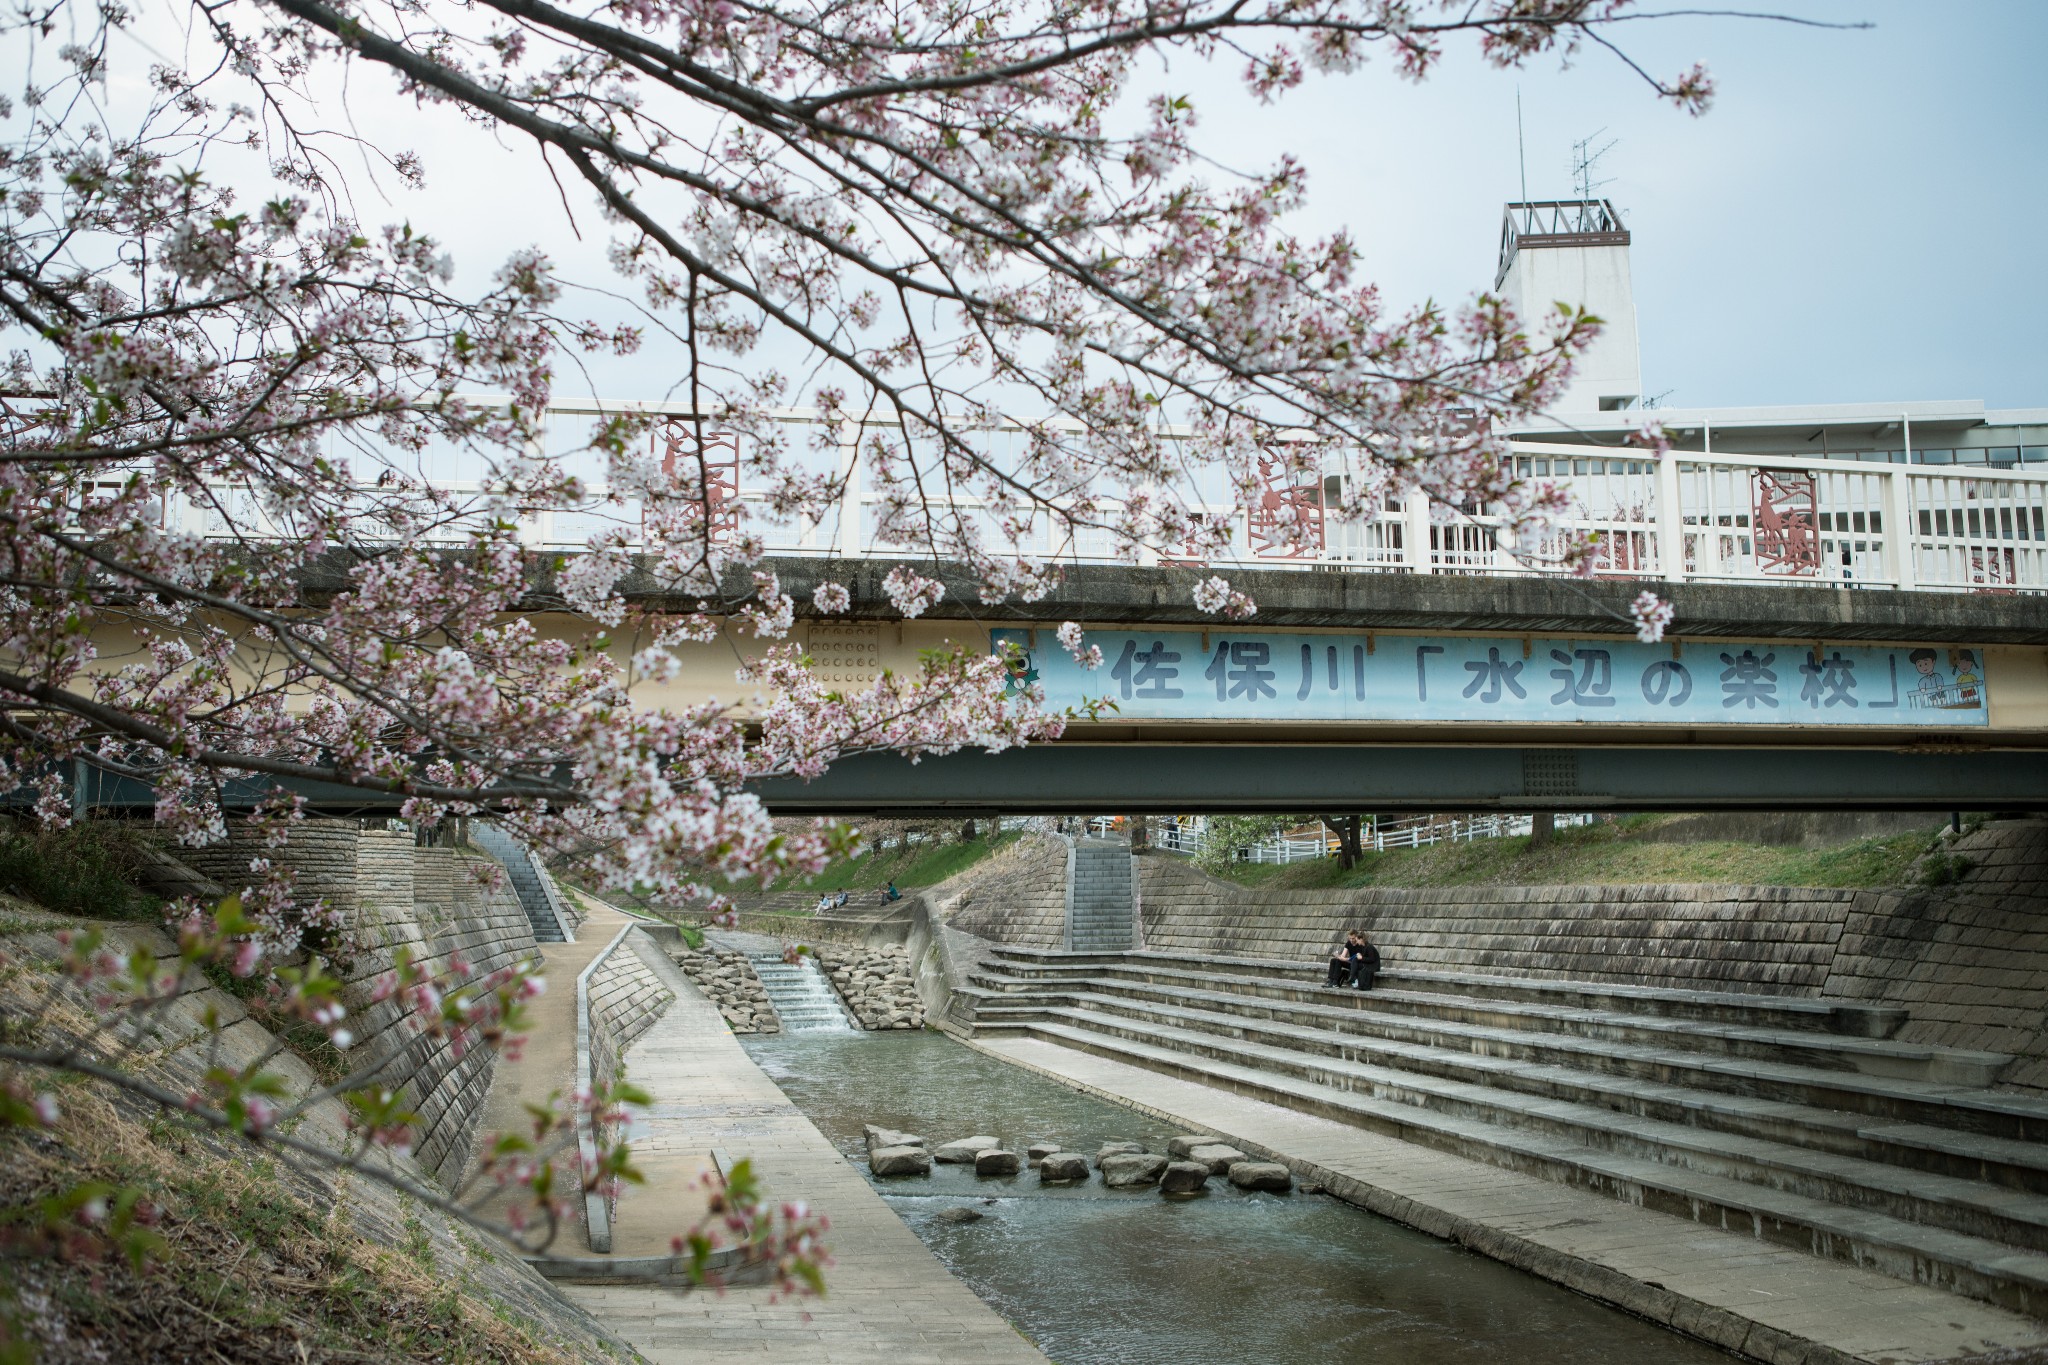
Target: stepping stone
x=1131 y=1168
x=1216 y=1157
x=1039 y=1151
x=1183 y=1177
x=962 y=1151
x=996 y=1161
x=888 y=1137
x=1261 y=1175
x=1118 y=1148
x=1178 y=1148
x=1063 y=1166
x=900 y=1161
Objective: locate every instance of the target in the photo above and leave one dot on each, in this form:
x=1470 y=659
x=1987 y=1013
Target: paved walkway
x=547 y=1061
x=1767 y=1301
x=889 y=1302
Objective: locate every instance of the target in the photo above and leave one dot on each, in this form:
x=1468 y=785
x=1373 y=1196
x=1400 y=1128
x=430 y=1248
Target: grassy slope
x=918 y=865
x=1608 y=854
x=250 y=1270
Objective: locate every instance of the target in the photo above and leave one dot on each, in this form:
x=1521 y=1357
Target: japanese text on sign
x=1177 y=675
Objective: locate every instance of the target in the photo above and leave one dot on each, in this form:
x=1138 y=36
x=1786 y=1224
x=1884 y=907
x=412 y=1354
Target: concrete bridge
x=1437 y=692
x=1361 y=690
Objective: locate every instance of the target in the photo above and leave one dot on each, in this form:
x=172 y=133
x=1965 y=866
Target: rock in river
x=962 y=1151
x=1131 y=1168
x=1063 y=1166
x=1118 y=1147
x=1039 y=1151
x=958 y=1216
x=888 y=1137
x=900 y=1161
x=1183 y=1177
x=1260 y=1175
x=996 y=1161
x=1178 y=1148
x=1217 y=1157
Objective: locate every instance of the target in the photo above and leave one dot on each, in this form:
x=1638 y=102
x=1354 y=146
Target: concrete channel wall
x=1970 y=960
x=392 y=895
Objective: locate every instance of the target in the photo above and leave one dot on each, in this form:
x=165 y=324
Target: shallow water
x=1126 y=1277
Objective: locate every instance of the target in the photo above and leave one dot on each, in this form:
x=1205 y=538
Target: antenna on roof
x=1521 y=147
x=1584 y=159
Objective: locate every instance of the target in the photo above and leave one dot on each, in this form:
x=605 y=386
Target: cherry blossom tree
x=958 y=233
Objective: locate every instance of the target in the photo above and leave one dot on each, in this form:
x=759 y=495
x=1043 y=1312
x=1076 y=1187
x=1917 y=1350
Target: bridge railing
x=1720 y=518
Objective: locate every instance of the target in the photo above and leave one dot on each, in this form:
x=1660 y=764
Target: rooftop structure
x=1576 y=252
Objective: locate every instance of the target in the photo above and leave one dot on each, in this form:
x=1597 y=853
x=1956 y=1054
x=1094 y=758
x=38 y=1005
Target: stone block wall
x=1969 y=961
x=436 y=903
x=1766 y=939
x=1019 y=896
x=625 y=1000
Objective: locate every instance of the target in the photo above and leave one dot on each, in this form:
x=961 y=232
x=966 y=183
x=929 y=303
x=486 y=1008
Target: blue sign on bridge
x=1249 y=675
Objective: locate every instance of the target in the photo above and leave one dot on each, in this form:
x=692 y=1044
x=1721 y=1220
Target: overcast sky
x=1862 y=215
x=1860 y=218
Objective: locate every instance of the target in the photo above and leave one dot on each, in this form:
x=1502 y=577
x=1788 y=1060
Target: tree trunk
x=1141 y=833
x=1350 y=832
x=967 y=830
x=1542 y=825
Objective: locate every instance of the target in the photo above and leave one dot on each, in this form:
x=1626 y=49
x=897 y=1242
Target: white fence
x=1185 y=835
x=1722 y=517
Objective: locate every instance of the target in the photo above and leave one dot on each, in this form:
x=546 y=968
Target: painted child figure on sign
x=1931 y=678
x=1969 y=676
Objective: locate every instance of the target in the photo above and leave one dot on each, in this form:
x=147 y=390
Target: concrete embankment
x=1602 y=1084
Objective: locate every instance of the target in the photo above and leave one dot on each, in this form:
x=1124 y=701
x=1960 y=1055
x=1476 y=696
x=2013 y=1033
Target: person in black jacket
x=1365 y=960
x=1340 y=959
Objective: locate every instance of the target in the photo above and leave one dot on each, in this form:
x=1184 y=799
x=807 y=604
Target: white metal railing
x=1185 y=834
x=1685 y=516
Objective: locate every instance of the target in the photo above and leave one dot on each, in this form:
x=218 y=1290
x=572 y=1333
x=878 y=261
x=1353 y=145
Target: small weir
x=804 y=1000
x=1096 y=1276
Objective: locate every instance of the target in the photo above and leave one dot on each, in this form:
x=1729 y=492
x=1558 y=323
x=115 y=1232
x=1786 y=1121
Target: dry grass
x=259 y=1262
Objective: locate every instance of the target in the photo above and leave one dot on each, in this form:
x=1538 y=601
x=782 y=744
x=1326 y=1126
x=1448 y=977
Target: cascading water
x=804 y=1000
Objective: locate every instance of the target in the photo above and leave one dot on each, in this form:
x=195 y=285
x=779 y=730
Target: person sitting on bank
x=1340 y=960
x=1365 y=961
x=891 y=894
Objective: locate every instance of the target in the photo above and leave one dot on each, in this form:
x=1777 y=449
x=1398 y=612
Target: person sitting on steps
x=1340 y=959
x=1365 y=961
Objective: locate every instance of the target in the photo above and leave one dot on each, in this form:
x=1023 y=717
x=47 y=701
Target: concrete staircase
x=1100 y=910
x=526 y=880
x=1796 y=1120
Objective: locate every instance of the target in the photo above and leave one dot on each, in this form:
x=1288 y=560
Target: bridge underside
x=1178 y=778
x=1196 y=777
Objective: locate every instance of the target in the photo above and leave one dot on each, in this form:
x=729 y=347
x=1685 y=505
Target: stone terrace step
x=1800 y=1148
x=1830 y=1111
x=1850 y=1017
x=1263 y=997
x=1545 y=1144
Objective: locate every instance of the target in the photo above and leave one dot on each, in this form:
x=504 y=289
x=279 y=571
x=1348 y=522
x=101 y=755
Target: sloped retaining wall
x=437 y=903
x=1017 y=897
x=618 y=998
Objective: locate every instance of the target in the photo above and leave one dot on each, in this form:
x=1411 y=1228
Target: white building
x=1577 y=252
